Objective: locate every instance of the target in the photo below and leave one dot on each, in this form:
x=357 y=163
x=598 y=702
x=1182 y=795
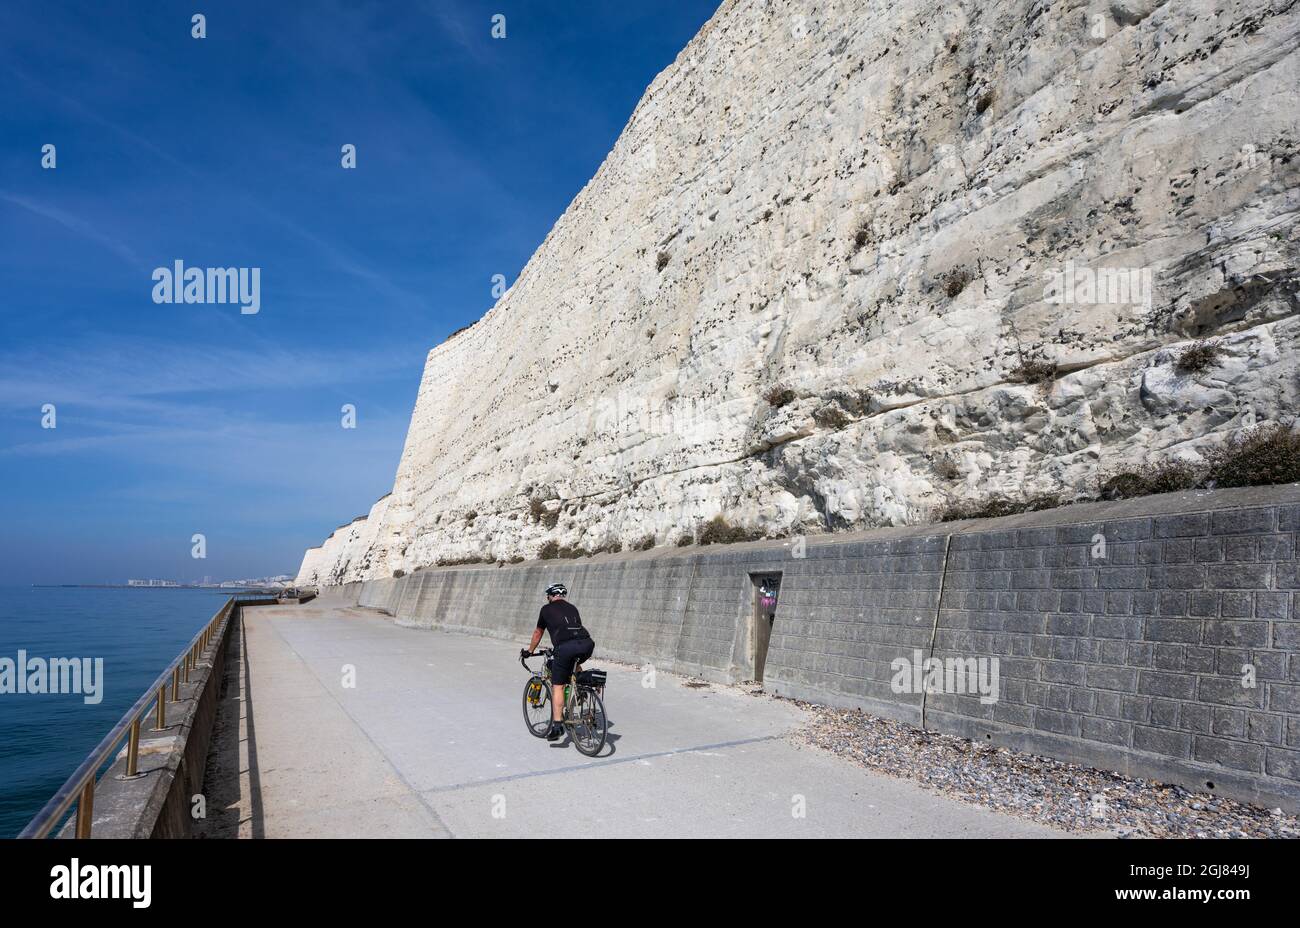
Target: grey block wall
x=1139 y=661
x=1135 y=661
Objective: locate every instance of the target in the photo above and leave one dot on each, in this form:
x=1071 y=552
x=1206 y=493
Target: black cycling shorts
x=567 y=654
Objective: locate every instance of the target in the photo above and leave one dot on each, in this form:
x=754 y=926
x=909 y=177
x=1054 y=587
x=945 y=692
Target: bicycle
x=584 y=710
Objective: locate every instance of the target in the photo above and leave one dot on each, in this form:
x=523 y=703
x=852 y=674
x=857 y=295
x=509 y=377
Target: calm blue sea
x=137 y=632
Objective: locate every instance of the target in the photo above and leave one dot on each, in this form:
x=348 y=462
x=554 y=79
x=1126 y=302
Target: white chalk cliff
x=806 y=287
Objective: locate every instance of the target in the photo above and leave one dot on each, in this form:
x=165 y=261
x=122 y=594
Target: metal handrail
x=80 y=787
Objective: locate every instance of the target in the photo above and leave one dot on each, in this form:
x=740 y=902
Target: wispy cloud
x=74 y=224
x=118 y=372
x=137 y=396
x=340 y=258
x=455 y=26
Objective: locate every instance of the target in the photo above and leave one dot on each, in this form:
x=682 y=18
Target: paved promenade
x=430 y=742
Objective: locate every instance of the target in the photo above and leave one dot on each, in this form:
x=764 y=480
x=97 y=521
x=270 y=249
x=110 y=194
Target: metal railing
x=80 y=787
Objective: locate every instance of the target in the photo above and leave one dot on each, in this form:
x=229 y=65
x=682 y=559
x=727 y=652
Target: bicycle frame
x=582 y=712
x=571 y=688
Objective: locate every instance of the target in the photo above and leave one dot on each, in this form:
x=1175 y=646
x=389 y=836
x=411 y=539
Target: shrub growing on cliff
x=1162 y=477
x=645 y=544
x=831 y=416
x=1034 y=370
x=1257 y=457
x=1199 y=356
x=1261 y=456
x=398 y=574
x=462 y=561
x=946 y=467
x=994 y=505
x=464 y=328
x=686 y=541
x=539 y=513
x=956 y=282
x=721 y=532
x=862 y=236
x=778 y=395
x=549 y=551
x=716 y=531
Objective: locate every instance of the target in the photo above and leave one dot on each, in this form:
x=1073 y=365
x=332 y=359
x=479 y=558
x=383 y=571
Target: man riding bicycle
x=572 y=645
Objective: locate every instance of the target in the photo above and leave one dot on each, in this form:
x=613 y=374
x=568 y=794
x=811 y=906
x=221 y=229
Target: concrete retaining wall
x=1136 y=655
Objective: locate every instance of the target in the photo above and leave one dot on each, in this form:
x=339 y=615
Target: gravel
x=1052 y=792
x=1045 y=790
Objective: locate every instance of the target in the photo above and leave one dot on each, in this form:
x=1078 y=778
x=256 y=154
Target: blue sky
x=174 y=419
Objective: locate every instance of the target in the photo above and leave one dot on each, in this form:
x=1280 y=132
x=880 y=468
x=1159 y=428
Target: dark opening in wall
x=767 y=588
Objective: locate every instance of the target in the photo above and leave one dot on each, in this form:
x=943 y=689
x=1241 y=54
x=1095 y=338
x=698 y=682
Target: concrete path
x=431 y=742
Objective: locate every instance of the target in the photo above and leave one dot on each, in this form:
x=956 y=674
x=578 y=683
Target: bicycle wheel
x=537 y=706
x=589 y=726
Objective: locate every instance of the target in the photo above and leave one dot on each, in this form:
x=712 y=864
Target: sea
x=136 y=632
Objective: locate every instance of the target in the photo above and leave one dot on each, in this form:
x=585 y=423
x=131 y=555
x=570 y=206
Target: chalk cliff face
x=849 y=262
x=348 y=552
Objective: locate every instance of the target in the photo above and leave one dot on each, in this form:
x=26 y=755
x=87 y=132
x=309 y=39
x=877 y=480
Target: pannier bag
x=594 y=678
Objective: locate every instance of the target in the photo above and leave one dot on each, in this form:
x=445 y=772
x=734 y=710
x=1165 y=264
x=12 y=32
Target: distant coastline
x=126 y=586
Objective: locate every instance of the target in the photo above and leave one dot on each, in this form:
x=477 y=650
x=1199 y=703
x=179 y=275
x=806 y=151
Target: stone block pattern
x=1152 y=641
x=1176 y=638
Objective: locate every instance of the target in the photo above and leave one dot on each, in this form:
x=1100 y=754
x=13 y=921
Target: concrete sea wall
x=1157 y=637
x=159 y=802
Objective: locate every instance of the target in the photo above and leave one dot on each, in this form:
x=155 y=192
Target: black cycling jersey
x=562 y=621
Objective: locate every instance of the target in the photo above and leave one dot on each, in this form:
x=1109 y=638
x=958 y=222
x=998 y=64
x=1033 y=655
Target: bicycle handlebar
x=524 y=657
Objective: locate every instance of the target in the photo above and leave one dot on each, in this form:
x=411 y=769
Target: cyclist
x=572 y=645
